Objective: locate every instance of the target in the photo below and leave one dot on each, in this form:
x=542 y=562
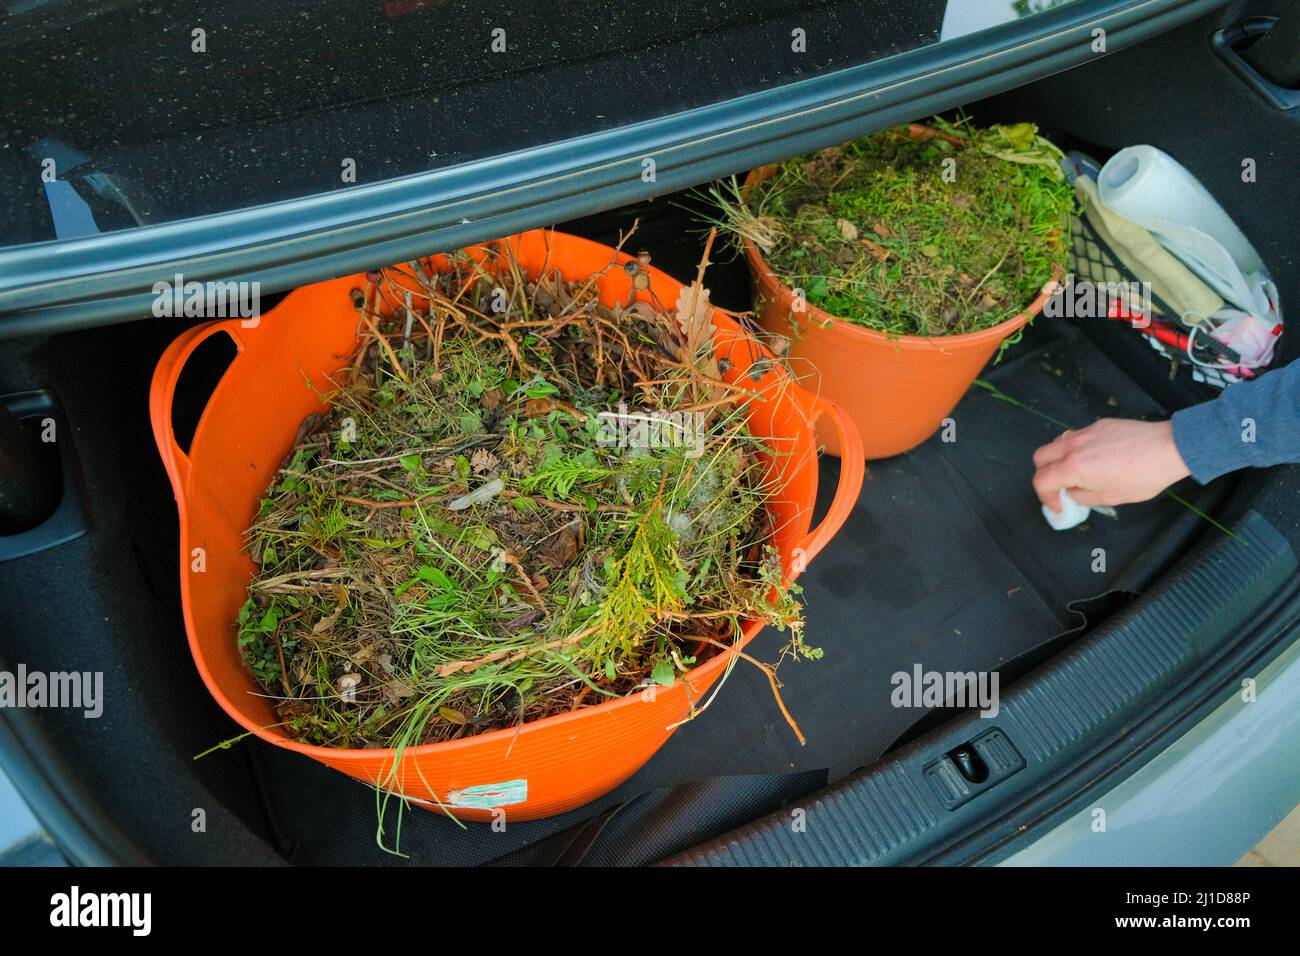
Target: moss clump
x=914 y=236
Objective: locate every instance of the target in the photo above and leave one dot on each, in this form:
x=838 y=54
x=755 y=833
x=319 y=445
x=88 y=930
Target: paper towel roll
x=1151 y=188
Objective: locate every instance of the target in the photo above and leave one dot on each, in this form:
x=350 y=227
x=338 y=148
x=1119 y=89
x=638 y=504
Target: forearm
x=1251 y=425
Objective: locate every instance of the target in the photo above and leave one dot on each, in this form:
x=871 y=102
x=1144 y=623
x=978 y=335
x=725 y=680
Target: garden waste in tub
x=897 y=265
x=912 y=231
x=520 y=502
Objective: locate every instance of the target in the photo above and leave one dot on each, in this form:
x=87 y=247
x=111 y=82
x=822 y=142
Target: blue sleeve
x=1253 y=424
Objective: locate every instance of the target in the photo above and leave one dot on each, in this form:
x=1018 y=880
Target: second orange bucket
x=896 y=389
x=249 y=425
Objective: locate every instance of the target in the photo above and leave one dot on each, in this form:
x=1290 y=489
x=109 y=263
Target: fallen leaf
x=694 y=315
x=876 y=249
x=521 y=621
x=483 y=461
x=307 y=427
x=325 y=623
x=452 y=716
x=537 y=407
x=398 y=689
x=560 y=548
x=412 y=595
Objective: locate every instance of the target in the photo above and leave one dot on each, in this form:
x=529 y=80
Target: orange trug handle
x=852 y=472
x=163 y=391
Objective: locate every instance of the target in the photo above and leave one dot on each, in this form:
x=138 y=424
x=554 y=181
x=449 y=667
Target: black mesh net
x=1093 y=260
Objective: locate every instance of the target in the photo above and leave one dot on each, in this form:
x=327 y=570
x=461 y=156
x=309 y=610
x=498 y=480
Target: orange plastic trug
x=249 y=425
x=896 y=389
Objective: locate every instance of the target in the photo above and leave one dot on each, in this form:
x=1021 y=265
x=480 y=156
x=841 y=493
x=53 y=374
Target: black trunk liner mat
x=945 y=563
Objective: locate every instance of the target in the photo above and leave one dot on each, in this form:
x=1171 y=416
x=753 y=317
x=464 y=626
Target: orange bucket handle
x=852 y=472
x=163 y=391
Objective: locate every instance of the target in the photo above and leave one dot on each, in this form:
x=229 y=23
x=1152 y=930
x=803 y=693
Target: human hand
x=1114 y=461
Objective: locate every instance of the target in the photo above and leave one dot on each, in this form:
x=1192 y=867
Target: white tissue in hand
x=1072 y=513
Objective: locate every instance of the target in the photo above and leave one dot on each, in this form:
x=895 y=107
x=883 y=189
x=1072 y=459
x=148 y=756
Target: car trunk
x=945 y=564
